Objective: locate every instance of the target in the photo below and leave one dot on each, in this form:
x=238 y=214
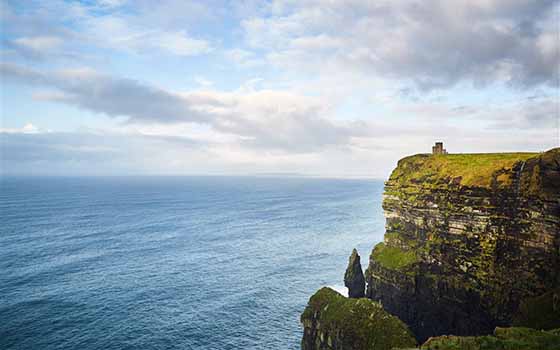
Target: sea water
x=174 y=262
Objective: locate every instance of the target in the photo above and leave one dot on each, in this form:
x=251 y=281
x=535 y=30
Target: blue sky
x=325 y=88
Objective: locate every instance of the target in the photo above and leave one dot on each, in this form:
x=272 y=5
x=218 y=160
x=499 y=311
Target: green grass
x=392 y=257
x=474 y=170
x=514 y=338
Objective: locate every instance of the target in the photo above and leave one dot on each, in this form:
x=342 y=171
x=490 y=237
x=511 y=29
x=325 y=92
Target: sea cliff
x=472 y=243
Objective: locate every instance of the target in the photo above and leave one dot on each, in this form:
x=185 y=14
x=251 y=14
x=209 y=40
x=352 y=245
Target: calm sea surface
x=174 y=262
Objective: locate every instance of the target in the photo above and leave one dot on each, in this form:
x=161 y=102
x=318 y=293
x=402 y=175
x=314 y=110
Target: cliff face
x=468 y=238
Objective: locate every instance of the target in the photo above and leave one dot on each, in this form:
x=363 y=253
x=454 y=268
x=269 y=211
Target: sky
x=317 y=88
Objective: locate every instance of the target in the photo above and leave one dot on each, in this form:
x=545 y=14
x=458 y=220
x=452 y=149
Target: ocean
x=174 y=262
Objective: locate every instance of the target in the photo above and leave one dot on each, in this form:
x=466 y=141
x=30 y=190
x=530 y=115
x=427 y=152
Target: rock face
x=334 y=322
x=354 y=277
x=469 y=237
x=542 y=312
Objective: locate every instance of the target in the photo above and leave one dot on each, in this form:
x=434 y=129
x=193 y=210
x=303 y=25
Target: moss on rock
x=393 y=258
x=332 y=321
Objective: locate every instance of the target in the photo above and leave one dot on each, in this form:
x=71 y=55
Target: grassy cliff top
x=476 y=169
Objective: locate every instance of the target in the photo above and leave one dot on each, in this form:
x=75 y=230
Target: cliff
x=469 y=238
x=472 y=247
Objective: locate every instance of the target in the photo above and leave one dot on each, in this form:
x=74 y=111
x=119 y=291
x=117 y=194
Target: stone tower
x=438 y=148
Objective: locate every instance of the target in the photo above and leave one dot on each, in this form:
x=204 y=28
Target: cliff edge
x=469 y=238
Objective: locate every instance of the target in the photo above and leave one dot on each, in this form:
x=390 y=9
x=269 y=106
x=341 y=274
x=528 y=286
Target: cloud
x=435 y=43
x=181 y=44
x=26 y=129
x=244 y=58
x=39 y=43
x=58 y=29
x=121 y=33
x=111 y=3
x=529 y=114
x=21 y=74
x=276 y=120
x=27 y=147
x=264 y=118
x=432 y=44
x=98 y=152
x=112 y=96
x=203 y=81
x=95 y=153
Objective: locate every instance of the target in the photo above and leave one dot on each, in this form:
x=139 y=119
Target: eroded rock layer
x=468 y=238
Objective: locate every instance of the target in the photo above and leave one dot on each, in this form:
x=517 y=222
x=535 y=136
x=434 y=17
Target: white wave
x=340 y=288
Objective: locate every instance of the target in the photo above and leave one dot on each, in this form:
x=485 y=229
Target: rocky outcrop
x=354 y=277
x=334 y=322
x=469 y=238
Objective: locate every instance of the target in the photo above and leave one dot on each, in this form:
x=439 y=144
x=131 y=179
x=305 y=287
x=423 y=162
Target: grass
x=392 y=257
x=514 y=338
x=476 y=170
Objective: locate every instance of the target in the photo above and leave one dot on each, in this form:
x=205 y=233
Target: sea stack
x=354 y=277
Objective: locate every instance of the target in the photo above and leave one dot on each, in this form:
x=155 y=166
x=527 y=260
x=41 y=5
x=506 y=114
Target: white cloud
x=280 y=122
x=435 y=43
x=111 y=3
x=179 y=43
x=28 y=128
x=80 y=26
x=120 y=33
x=262 y=118
x=39 y=43
x=244 y=58
x=203 y=82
